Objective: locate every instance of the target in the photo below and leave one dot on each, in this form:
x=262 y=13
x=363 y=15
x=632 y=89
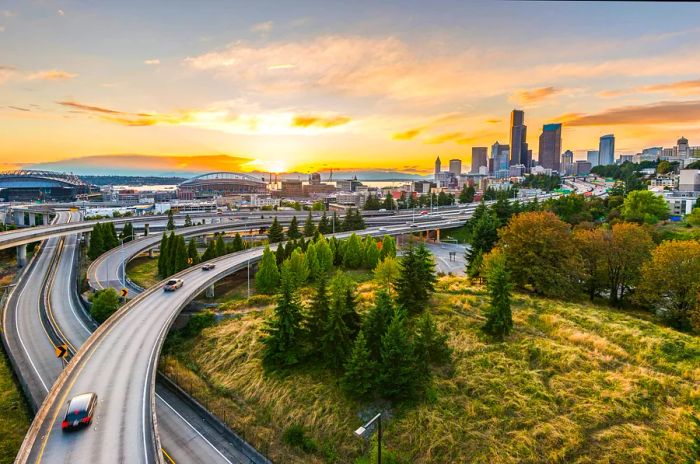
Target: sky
x=313 y=85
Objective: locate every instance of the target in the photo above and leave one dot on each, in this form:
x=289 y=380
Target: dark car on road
x=208 y=267
x=172 y=285
x=79 y=412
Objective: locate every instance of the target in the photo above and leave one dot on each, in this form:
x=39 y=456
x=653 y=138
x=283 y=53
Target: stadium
x=29 y=185
x=215 y=184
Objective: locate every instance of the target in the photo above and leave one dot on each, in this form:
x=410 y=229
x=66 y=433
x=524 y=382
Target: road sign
x=189 y=261
x=124 y=292
x=61 y=351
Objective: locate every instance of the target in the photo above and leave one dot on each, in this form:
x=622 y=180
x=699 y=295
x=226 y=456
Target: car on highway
x=172 y=285
x=208 y=267
x=382 y=229
x=79 y=412
x=423 y=213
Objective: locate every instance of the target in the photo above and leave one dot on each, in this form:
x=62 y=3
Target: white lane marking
x=70 y=299
x=193 y=428
x=146 y=389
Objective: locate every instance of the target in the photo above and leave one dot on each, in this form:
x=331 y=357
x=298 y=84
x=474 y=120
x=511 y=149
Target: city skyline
x=305 y=89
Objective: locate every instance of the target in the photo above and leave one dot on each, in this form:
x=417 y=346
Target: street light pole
x=361 y=431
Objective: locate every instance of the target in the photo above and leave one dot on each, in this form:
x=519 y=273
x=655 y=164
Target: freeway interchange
x=137 y=420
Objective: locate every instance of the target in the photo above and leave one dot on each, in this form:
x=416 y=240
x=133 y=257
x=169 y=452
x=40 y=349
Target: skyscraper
x=592 y=156
x=606 y=150
x=567 y=162
x=479 y=158
x=683 y=147
x=518 y=139
x=499 y=156
x=550 y=146
x=437 y=168
x=456 y=167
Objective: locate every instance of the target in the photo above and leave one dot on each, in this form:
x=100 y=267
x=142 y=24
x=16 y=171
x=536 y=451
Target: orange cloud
x=655 y=113
x=325 y=122
x=91 y=108
x=407 y=135
x=442 y=138
x=525 y=97
x=6 y=72
x=51 y=75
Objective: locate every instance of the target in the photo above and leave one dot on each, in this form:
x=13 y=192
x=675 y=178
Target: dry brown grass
x=574 y=383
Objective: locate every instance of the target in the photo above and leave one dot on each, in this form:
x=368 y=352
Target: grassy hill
x=574 y=383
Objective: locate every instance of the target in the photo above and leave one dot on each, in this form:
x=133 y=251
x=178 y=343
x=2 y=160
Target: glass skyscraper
x=606 y=150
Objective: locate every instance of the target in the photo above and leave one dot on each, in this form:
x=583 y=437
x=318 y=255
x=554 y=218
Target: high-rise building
x=683 y=147
x=479 y=158
x=582 y=168
x=567 y=162
x=550 y=146
x=456 y=167
x=438 y=167
x=593 y=157
x=518 y=139
x=606 y=150
x=499 y=157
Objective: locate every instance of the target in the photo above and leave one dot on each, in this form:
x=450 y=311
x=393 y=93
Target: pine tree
x=312 y=262
x=351 y=317
x=335 y=341
x=324 y=254
x=163 y=256
x=399 y=376
x=499 y=319
x=297 y=266
x=335 y=225
x=475 y=262
x=317 y=318
x=275 y=233
x=96 y=245
x=430 y=344
x=283 y=334
x=388 y=203
x=171 y=220
x=309 y=227
x=467 y=194
x=417 y=279
x=280 y=254
x=238 y=244
x=188 y=220
x=324 y=225
x=192 y=254
x=293 y=229
x=377 y=321
x=220 y=246
x=180 y=256
x=210 y=252
x=371 y=253
x=127 y=233
x=388 y=247
x=109 y=237
x=360 y=369
x=268 y=276
x=484 y=236
x=352 y=255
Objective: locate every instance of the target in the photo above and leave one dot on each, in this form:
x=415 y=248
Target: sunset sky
x=305 y=85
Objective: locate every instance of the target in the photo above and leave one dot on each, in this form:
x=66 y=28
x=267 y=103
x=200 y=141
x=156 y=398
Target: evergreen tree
x=267 y=278
x=360 y=369
x=171 y=220
x=399 y=376
x=324 y=225
x=324 y=254
x=388 y=203
x=275 y=233
x=371 y=253
x=317 y=235
x=192 y=254
x=499 y=319
x=109 y=237
x=371 y=203
x=352 y=255
x=280 y=255
x=312 y=262
x=210 y=252
x=467 y=194
x=475 y=262
x=96 y=244
x=283 y=334
x=417 y=279
x=163 y=255
x=188 y=220
x=335 y=225
x=479 y=211
x=336 y=339
x=353 y=220
x=309 y=227
x=484 y=236
x=298 y=268
x=431 y=345
x=317 y=318
x=180 y=257
x=351 y=317
x=293 y=229
x=377 y=321
x=388 y=247
x=220 y=246
x=127 y=233
x=238 y=244
x=289 y=248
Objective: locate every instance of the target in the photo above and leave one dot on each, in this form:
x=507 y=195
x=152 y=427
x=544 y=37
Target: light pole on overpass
x=362 y=431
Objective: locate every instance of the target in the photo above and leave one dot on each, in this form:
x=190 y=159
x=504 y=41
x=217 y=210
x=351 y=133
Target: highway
x=118 y=363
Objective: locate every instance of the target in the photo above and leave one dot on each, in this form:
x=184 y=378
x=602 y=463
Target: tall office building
x=683 y=147
x=593 y=157
x=550 y=146
x=567 y=162
x=518 y=139
x=479 y=158
x=499 y=158
x=456 y=167
x=606 y=150
x=438 y=167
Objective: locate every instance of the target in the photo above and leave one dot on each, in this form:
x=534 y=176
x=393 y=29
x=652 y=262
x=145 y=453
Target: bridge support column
x=210 y=291
x=437 y=235
x=145 y=230
x=150 y=253
x=32 y=219
x=19 y=218
x=21 y=255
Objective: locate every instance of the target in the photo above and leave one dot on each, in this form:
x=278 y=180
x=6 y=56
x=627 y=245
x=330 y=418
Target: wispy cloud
x=655 y=113
x=152 y=61
x=262 y=28
x=89 y=108
x=61 y=13
x=530 y=96
x=689 y=87
x=325 y=122
x=51 y=75
x=6 y=72
x=18 y=108
x=442 y=138
x=408 y=134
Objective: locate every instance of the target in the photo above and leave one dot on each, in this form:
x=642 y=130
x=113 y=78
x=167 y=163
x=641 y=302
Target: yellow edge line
x=167 y=456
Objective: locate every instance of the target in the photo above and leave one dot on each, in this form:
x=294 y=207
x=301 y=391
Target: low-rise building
x=689 y=180
x=681 y=203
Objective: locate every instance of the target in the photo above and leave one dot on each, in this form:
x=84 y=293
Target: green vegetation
x=644 y=206
x=102 y=239
x=143 y=271
x=14 y=413
x=573 y=383
x=104 y=304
